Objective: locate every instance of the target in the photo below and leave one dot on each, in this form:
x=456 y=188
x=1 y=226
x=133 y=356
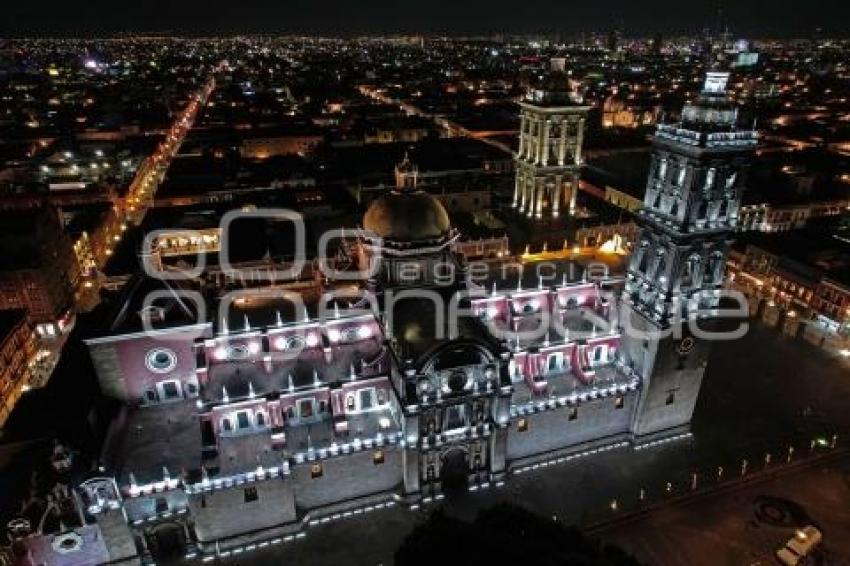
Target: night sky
x=781 y=18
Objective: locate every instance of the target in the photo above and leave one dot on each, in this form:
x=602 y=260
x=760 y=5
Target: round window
x=67 y=543
x=238 y=352
x=161 y=360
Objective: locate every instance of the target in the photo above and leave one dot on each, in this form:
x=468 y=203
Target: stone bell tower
x=676 y=271
x=552 y=119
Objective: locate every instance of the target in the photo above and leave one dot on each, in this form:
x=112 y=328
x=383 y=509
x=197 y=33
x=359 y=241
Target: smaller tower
x=551 y=135
x=406 y=174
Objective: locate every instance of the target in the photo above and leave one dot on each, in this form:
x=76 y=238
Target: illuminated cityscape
x=369 y=293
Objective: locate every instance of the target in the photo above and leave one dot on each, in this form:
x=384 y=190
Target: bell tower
x=676 y=271
x=552 y=119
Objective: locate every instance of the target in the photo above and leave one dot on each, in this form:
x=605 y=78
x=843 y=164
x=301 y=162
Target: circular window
x=67 y=543
x=161 y=360
x=295 y=343
x=238 y=352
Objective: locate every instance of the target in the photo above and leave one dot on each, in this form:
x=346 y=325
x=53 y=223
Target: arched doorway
x=167 y=542
x=454 y=470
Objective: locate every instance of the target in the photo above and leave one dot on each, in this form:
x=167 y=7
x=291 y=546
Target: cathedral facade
x=414 y=377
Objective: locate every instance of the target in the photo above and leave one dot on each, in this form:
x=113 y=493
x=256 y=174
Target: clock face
x=686 y=345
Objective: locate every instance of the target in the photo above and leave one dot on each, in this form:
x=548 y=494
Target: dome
x=407 y=216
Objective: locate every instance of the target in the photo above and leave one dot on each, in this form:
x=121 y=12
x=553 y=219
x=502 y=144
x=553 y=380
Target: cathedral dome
x=407 y=216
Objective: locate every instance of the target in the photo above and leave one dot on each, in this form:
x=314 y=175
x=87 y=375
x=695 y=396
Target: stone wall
x=224 y=513
x=347 y=477
x=551 y=430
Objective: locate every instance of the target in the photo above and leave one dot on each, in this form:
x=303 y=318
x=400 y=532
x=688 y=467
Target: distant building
x=38 y=268
x=17 y=350
x=780 y=218
x=620 y=113
x=262 y=144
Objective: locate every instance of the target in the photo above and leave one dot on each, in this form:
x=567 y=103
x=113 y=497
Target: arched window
x=644 y=261
x=660 y=266
x=674 y=210
x=689 y=271
x=702 y=211
x=724 y=209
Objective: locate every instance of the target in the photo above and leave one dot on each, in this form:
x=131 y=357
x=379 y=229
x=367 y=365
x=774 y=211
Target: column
x=523 y=135
x=517 y=180
x=557 y=195
x=540 y=188
x=544 y=153
x=532 y=199
x=573 y=191
x=579 y=141
x=562 y=150
x=530 y=139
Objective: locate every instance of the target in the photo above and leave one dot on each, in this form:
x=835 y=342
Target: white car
x=799 y=546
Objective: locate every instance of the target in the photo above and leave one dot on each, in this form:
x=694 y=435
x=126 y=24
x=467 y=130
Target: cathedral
x=406 y=378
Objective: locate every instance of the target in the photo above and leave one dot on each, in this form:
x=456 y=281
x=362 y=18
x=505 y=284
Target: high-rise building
x=676 y=270
x=550 y=148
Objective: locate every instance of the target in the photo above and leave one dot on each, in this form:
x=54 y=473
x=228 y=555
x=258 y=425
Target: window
x=161 y=360
x=243 y=420
x=378 y=457
x=671 y=397
x=555 y=362
x=350 y=403
x=290 y=412
x=251 y=494
x=662 y=169
x=709 y=178
x=573 y=413
x=150 y=396
x=316 y=470
x=170 y=390
x=161 y=505
x=366 y=401
x=226 y=425
x=305 y=408
x=382 y=396
x=261 y=419
x=522 y=425
x=619 y=402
